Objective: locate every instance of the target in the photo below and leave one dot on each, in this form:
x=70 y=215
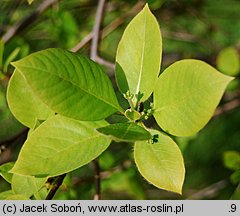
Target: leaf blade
x=24 y=103
x=4 y=168
x=139 y=54
x=125 y=132
x=67 y=145
x=26 y=185
x=187 y=92
x=161 y=163
x=70 y=84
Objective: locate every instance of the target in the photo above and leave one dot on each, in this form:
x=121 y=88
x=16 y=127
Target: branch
x=104 y=174
x=96 y=28
x=233 y=104
x=210 y=191
x=28 y=20
x=109 y=28
x=93 y=54
x=58 y=182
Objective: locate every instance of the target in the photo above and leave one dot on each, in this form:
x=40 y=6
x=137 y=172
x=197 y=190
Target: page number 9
x=233 y=208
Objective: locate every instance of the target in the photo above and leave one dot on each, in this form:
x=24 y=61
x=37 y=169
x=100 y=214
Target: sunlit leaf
x=186 y=96
x=24 y=103
x=5 y=194
x=60 y=145
x=4 y=168
x=27 y=185
x=70 y=84
x=125 y=132
x=139 y=54
x=161 y=162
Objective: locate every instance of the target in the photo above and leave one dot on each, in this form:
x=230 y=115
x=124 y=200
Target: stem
x=58 y=182
x=94 y=57
x=96 y=28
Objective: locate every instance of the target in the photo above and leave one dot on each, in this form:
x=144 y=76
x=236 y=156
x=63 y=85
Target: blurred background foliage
x=202 y=29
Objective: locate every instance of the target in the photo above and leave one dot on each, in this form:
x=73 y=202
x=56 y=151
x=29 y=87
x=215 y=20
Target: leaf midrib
x=166 y=171
x=142 y=56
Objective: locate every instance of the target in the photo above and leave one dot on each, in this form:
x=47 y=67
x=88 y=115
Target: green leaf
x=70 y=84
x=60 y=145
x=228 y=61
x=161 y=163
x=24 y=103
x=5 y=194
x=125 y=132
x=186 y=96
x=17 y=197
x=4 y=168
x=231 y=160
x=10 y=58
x=139 y=54
x=37 y=124
x=27 y=185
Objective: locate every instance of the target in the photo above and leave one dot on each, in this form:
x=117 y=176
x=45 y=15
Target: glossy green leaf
x=125 y=132
x=60 y=145
x=4 y=168
x=139 y=54
x=27 y=185
x=232 y=160
x=186 y=96
x=70 y=84
x=228 y=61
x=161 y=162
x=24 y=103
